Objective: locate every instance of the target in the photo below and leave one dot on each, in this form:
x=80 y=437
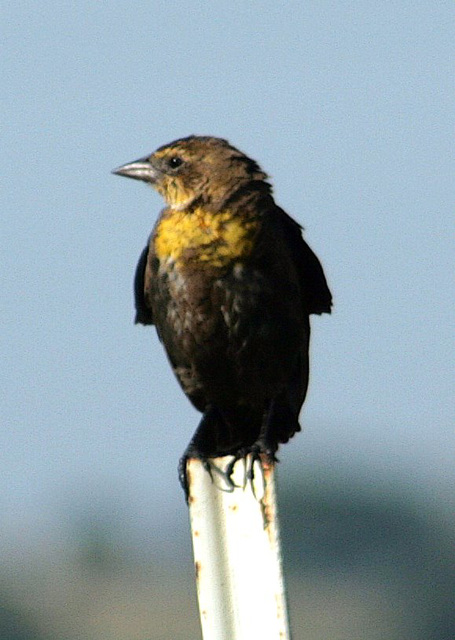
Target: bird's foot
x=256 y=454
x=259 y=452
x=183 y=470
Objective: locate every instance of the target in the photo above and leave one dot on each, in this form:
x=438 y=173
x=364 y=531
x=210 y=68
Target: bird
x=229 y=283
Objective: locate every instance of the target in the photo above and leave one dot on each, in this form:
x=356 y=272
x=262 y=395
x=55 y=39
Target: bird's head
x=197 y=169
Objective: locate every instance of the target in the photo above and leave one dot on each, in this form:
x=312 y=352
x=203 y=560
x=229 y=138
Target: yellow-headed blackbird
x=229 y=284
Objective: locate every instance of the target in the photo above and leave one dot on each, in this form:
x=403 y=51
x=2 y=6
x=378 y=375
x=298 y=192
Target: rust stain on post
x=266 y=502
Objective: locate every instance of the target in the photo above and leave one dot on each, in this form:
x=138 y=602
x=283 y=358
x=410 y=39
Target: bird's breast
x=203 y=239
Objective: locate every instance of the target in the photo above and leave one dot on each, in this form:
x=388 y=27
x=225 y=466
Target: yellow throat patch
x=216 y=239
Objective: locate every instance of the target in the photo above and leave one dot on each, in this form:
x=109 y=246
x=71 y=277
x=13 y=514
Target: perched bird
x=229 y=283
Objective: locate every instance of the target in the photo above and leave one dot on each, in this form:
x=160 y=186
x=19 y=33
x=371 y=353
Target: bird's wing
x=143 y=311
x=318 y=298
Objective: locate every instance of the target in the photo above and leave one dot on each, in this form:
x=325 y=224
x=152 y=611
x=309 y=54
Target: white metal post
x=237 y=553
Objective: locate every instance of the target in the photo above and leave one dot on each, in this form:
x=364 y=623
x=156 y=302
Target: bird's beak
x=139 y=170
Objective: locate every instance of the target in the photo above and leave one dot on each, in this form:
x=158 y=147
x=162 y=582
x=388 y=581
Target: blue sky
x=348 y=107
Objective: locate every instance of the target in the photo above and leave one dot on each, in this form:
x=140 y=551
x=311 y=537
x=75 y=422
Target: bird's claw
x=256 y=453
x=183 y=472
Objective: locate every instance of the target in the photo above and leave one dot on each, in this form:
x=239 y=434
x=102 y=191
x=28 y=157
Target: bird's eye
x=175 y=162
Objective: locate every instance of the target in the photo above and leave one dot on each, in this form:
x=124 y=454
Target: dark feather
x=314 y=284
x=143 y=311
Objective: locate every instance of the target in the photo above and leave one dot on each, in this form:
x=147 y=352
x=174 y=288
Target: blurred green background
x=349 y=108
x=359 y=563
